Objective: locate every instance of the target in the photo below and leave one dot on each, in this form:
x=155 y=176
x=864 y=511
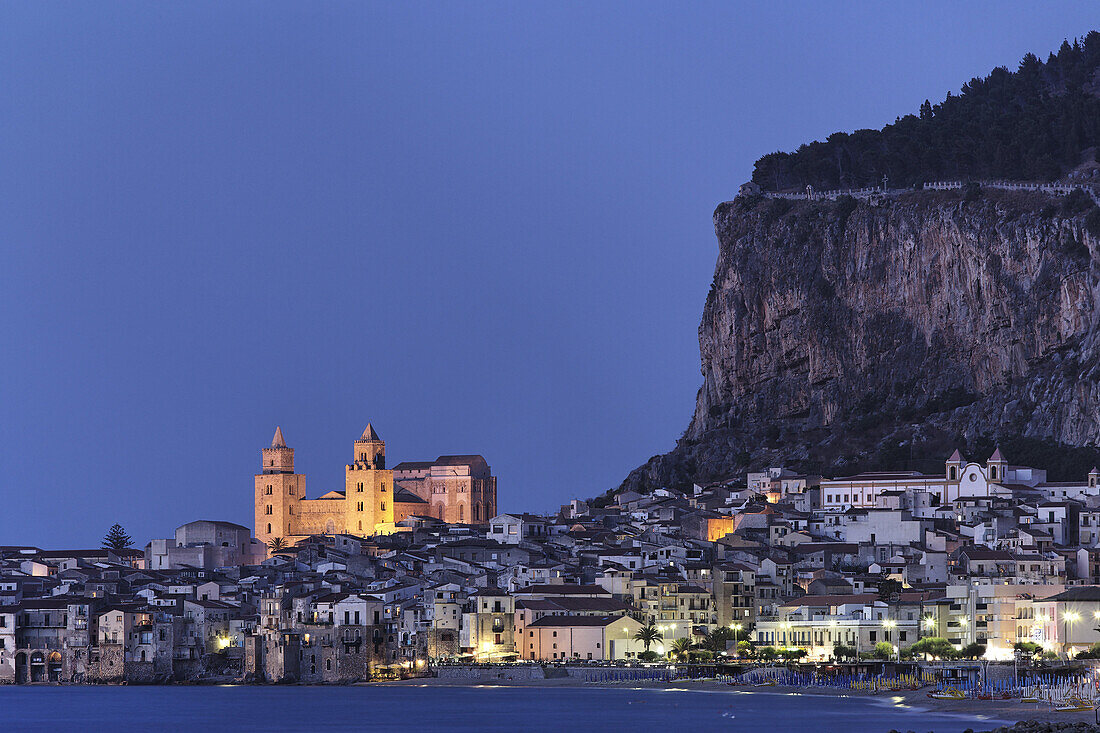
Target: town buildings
x=784 y=560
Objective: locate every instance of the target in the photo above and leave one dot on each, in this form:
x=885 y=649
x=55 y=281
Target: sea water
x=243 y=709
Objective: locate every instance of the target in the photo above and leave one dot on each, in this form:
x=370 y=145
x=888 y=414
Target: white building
x=580 y=637
x=511 y=529
x=960 y=479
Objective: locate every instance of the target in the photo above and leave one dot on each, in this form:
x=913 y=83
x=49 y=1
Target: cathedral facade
x=456 y=489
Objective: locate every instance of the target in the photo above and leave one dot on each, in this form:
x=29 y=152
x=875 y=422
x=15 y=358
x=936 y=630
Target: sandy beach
x=996 y=712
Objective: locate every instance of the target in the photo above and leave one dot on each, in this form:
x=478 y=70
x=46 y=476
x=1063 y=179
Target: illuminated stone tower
x=368 y=488
x=278 y=491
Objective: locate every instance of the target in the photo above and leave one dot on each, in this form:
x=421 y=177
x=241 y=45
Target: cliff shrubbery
x=1037 y=123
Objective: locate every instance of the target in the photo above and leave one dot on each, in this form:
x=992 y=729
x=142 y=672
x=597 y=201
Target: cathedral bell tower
x=368 y=488
x=278 y=491
x=370 y=450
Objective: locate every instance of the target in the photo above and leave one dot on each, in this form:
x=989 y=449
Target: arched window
x=269 y=527
x=952 y=473
x=330 y=527
x=993 y=472
x=360 y=525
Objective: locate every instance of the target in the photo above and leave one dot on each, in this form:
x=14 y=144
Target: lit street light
x=1069 y=617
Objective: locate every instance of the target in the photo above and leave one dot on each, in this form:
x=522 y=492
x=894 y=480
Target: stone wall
x=518 y=672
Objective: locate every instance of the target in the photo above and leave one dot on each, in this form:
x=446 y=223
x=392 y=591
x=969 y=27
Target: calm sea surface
x=385 y=708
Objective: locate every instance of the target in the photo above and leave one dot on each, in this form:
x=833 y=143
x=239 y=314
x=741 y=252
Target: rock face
x=843 y=335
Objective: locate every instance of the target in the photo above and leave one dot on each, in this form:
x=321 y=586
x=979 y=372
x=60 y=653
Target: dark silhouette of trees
x=116 y=538
x=1032 y=124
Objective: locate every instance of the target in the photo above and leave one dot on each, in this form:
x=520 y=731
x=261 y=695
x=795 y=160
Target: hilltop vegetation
x=1041 y=122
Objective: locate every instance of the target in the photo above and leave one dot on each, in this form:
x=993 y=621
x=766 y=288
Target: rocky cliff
x=844 y=335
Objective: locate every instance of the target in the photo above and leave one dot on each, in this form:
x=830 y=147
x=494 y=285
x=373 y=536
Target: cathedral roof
x=369 y=433
x=277 y=441
x=956 y=456
x=997 y=455
x=459 y=460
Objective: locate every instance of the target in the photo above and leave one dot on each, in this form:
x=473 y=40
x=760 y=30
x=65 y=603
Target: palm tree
x=647 y=635
x=682 y=648
x=277 y=545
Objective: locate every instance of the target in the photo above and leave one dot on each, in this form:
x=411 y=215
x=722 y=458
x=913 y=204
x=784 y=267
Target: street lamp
x=928 y=623
x=1069 y=617
x=889 y=624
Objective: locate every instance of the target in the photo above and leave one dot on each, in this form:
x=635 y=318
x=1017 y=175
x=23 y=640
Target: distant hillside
x=1041 y=123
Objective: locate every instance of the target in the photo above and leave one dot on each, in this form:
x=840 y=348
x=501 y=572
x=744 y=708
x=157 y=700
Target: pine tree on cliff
x=116 y=538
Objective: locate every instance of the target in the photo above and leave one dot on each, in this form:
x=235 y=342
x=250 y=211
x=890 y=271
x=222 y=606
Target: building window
x=269 y=527
x=268 y=509
x=268 y=492
x=383 y=506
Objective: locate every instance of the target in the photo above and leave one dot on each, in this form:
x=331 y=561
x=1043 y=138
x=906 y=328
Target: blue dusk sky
x=484 y=227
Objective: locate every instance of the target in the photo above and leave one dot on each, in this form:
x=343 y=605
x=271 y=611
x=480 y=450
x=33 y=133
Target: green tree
x=746 y=649
x=889 y=589
x=682 y=649
x=648 y=635
x=277 y=545
x=883 y=650
x=975 y=650
x=1028 y=648
x=716 y=640
x=841 y=651
x=933 y=647
x=767 y=653
x=792 y=655
x=116 y=539
x=1093 y=652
